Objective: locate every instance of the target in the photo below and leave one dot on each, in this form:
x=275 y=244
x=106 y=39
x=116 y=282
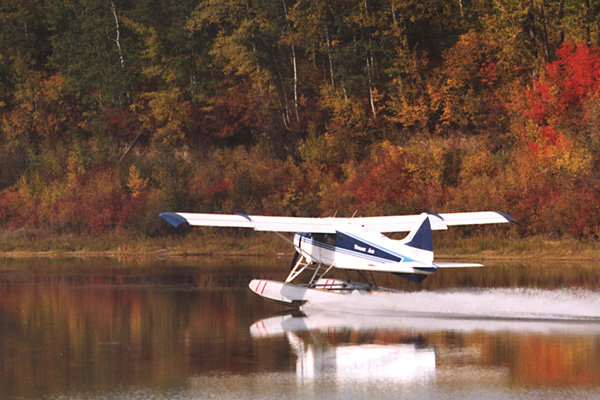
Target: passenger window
x=319 y=237
x=330 y=240
x=324 y=238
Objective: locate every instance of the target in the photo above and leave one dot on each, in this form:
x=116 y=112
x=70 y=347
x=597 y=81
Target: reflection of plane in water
x=348 y=347
x=404 y=362
x=410 y=325
x=323 y=349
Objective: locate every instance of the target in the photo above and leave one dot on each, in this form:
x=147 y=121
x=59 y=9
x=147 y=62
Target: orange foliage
x=383 y=108
x=42 y=110
x=10 y=213
x=467 y=92
x=388 y=182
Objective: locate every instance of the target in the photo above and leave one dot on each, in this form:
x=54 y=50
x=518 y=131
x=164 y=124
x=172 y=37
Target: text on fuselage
x=364 y=249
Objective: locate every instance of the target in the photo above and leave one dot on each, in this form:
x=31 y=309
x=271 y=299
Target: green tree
x=252 y=91
x=93 y=50
x=24 y=43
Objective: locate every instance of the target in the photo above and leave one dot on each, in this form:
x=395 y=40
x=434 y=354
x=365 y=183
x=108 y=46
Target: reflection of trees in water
x=543 y=275
x=192 y=273
x=73 y=329
x=511 y=356
x=72 y=332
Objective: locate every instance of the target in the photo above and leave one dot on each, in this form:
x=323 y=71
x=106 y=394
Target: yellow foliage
x=75 y=168
x=573 y=161
x=40 y=108
x=158 y=65
x=477 y=164
x=234 y=57
x=136 y=184
x=164 y=114
x=28 y=189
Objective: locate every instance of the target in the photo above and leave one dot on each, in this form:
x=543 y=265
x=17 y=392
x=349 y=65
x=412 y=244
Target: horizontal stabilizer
x=412 y=277
x=456 y=265
x=404 y=267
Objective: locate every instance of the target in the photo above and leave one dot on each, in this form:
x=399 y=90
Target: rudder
x=420 y=237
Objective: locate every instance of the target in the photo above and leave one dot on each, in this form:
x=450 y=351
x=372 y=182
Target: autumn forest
x=112 y=111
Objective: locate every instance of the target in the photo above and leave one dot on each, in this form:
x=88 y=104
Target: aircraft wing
x=398 y=223
x=256 y=222
x=404 y=223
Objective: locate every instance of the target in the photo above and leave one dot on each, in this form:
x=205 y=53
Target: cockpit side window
x=324 y=238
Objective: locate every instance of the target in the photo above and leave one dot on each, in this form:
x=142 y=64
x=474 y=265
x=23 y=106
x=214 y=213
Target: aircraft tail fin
x=421 y=241
x=420 y=236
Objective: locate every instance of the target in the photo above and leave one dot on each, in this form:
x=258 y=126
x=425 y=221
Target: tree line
x=112 y=111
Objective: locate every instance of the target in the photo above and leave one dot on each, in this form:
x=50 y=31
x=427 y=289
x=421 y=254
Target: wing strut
x=300 y=266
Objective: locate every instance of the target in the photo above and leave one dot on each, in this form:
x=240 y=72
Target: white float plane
x=347 y=244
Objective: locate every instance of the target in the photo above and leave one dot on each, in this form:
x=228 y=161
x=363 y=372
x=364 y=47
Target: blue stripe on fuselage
x=348 y=244
x=351 y=243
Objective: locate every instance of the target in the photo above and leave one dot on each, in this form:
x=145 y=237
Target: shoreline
x=212 y=243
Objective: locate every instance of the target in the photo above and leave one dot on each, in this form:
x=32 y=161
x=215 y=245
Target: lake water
x=190 y=328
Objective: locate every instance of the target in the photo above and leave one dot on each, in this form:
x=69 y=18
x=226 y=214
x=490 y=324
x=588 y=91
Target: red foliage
x=132 y=210
x=122 y=121
x=576 y=72
x=104 y=213
x=558 y=99
x=568 y=83
x=10 y=215
x=237 y=112
x=217 y=192
x=488 y=72
x=538 y=99
x=387 y=183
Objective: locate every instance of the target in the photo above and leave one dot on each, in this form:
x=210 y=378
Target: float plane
x=347 y=244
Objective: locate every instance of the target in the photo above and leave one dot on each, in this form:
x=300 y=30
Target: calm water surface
x=190 y=328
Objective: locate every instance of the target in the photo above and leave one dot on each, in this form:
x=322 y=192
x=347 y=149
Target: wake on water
x=527 y=304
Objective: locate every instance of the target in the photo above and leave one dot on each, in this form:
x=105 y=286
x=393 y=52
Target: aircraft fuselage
x=357 y=248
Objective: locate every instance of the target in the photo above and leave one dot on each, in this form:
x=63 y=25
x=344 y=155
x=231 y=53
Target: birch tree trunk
x=117 y=39
x=293 y=63
x=370 y=63
x=546 y=47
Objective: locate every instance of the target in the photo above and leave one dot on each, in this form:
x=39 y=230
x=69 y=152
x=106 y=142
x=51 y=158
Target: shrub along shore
x=232 y=242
